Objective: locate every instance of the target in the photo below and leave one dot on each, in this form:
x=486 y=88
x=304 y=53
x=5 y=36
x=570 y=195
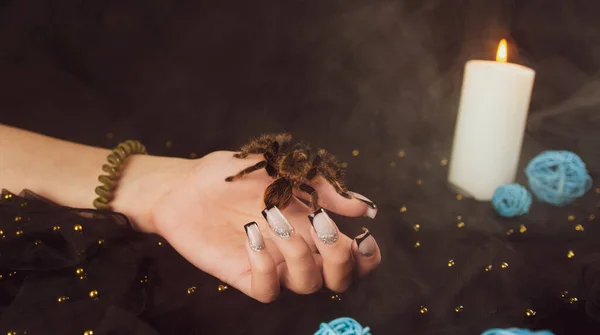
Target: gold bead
x=403 y=209
x=579 y=227
x=592 y=217
x=193 y=155
x=168 y=144
x=56 y=228
x=11 y=333
x=570 y=254
x=417 y=244
x=488 y=268
x=93 y=294
x=504 y=265
x=79 y=271
x=19 y=232
x=222 y=287
x=18 y=219
x=109 y=135
x=392 y=164
x=336 y=297
x=1 y=233
x=460 y=224
x=344 y=165
x=77 y=228
x=423 y=310
x=522 y=228
x=88 y=332
x=62 y=298
x=191 y=290
x=160 y=243
x=571 y=217
x=9 y=196
x=459 y=309
x=37 y=242
x=401 y=154
x=450 y=263
x=355 y=152
x=419 y=182
x=144 y=280
x=444 y=162
x=573 y=300
x=509 y=232
x=529 y=312
x=416 y=227
x=100 y=241
x=459 y=197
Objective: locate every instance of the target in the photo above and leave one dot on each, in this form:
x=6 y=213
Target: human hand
x=204 y=218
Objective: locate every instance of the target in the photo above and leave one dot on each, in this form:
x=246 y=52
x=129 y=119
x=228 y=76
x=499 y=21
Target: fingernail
x=255 y=238
x=324 y=226
x=366 y=243
x=372 y=211
x=280 y=225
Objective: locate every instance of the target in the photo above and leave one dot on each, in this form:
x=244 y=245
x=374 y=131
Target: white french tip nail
x=255 y=238
x=371 y=207
x=280 y=225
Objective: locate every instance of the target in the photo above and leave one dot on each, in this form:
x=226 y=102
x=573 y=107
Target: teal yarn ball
x=343 y=326
x=558 y=177
x=511 y=200
x=516 y=331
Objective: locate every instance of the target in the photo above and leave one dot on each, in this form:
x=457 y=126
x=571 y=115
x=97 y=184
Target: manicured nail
x=255 y=238
x=372 y=211
x=324 y=226
x=366 y=243
x=280 y=225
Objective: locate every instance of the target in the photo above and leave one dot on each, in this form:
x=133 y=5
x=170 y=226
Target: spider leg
x=332 y=171
x=279 y=193
x=314 y=196
x=259 y=145
x=247 y=151
x=339 y=187
x=247 y=170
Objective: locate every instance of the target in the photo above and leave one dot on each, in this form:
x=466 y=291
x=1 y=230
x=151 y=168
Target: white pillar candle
x=490 y=126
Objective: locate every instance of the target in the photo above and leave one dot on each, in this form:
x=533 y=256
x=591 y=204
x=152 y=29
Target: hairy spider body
x=292 y=167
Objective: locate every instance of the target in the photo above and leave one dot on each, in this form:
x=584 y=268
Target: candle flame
x=502 y=54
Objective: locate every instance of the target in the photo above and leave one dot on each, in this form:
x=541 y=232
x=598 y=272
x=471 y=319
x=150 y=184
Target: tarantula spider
x=293 y=167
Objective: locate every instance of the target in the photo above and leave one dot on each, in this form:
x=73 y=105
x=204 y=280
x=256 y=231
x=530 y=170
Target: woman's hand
x=209 y=222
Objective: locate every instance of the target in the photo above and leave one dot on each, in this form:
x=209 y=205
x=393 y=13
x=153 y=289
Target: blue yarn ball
x=343 y=326
x=516 y=331
x=511 y=200
x=558 y=177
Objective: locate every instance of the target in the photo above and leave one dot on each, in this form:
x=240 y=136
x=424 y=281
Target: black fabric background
x=379 y=77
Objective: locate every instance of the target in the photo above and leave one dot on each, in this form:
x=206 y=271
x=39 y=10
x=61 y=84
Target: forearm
x=67 y=173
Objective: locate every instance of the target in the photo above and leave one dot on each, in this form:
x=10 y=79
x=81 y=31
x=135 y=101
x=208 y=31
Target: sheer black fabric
x=67 y=271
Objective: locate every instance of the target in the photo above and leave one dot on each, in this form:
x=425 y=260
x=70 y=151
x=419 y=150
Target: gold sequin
x=18 y=219
x=579 y=227
x=336 y=297
x=9 y=196
x=401 y=154
x=571 y=217
x=109 y=135
x=19 y=232
x=168 y=144
x=344 y=165
x=144 y=280
x=592 y=217
x=403 y=209
x=191 y=290
x=459 y=309
x=11 y=333
x=56 y=228
x=23 y=204
x=504 y=265
x=37 y=242
x=193 y=155
x=522 y=228
x=416 y=227
x=573 y=300
x=79 y=271
x=1 y=233
x=62 y=299
x=392 y=164
x=450 y=263
x=444 y=162
x=423 y=310
x=488 y=268
x=419 y=182
x=101 y=242
x=509 y=232
x=93 y=294
x=529 y=312
x=570 y=254
x=459 y=197
x=564 y=294
x=417 y=244
x=160 y=243
x=222 y=287
x=355 y=152
x=460 y=224
x=88 y=332
x=77 y=228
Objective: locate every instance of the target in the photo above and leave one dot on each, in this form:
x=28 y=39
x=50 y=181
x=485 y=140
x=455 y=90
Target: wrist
x=144 y=181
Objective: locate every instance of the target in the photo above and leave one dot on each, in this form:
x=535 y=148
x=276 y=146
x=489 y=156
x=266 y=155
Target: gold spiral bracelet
x=116 y=161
